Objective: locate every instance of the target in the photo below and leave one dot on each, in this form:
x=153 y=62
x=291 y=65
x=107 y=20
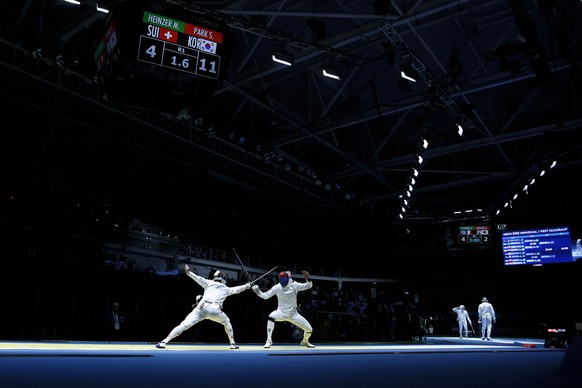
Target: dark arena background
x=436 y=166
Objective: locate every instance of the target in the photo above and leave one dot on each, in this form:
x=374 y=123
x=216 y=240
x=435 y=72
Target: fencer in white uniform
x=486 y=318
x=462 y=319
x=209 y=306
x=286 y=290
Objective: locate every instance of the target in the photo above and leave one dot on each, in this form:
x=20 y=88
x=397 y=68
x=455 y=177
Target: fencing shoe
x=233 y=346
x=268 y=344
x=307 y=344
x=161 y=345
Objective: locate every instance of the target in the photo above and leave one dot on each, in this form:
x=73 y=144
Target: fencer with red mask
x=286 y=290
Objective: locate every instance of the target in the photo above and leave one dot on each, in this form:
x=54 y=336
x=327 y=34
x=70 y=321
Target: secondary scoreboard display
x=474 y=235
x=181 y=46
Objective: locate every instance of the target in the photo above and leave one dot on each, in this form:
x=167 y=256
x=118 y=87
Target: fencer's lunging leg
x=176 y=331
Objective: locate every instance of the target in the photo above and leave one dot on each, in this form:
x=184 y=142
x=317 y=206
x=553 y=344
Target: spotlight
x=282 y=57
x=101 y=9
x=331 y=72
x=460 y=130
x=406 y=75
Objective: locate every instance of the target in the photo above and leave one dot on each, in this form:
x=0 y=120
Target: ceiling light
x=331 y=72
x=406 y=76
x=460 y=130
x=101 y=9
x=282 y=57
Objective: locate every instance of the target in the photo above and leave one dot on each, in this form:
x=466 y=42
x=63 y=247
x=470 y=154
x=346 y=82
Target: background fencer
x=462 y=319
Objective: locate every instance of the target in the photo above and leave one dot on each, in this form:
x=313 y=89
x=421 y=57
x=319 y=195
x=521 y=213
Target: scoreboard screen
x=174 y=44
x=474 y=235
x=537 y=246
x=161 y=56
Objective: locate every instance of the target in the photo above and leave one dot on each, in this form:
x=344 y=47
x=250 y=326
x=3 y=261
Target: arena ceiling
x=323 y=161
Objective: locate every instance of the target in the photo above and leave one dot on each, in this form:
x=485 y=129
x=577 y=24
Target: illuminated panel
x=476 y=234
x=537 y=246
x=161 y=56
x=181 y=46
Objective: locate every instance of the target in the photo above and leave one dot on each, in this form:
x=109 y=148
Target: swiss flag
x=168 y=35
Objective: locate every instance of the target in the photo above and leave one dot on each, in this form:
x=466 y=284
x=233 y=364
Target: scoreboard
x=474 y=235
x=180 y=46
x=162 y=56
x=537 y=246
